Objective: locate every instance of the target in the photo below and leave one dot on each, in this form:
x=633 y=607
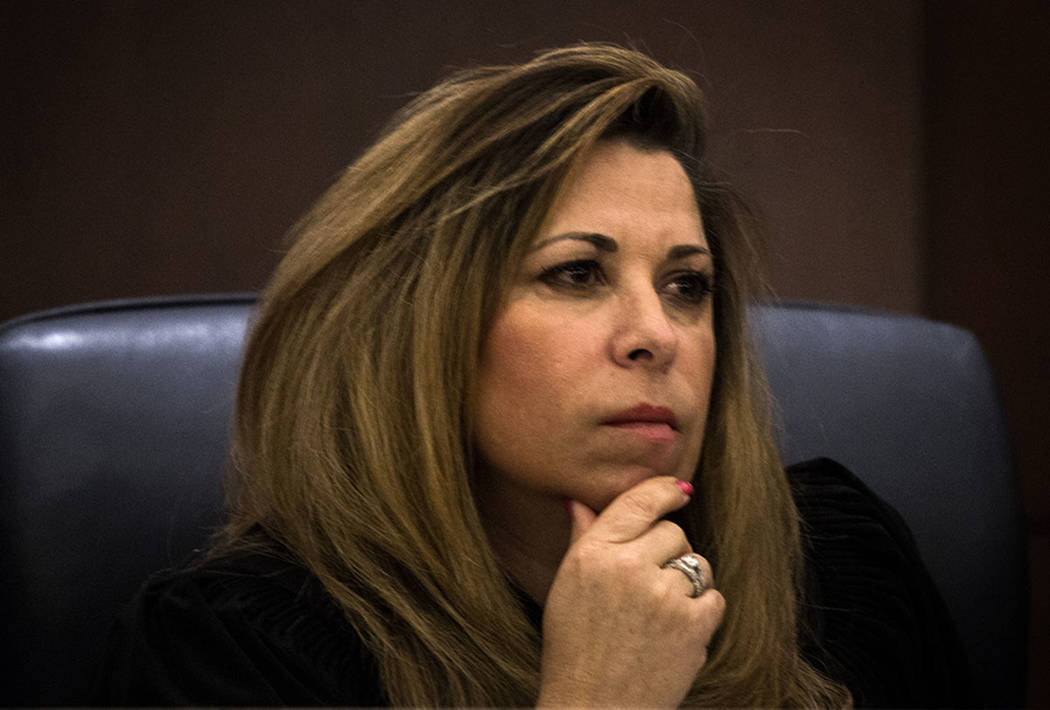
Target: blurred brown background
x=898 y=149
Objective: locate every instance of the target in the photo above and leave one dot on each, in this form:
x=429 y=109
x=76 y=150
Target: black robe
x=253 y=629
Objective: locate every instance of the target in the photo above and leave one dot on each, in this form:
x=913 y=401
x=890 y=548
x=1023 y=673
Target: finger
x=635 y=510
x=708 y=614
x=582 y=518
x=712 y=609
x=663 y=541
x=709 y=573
x=684 y=580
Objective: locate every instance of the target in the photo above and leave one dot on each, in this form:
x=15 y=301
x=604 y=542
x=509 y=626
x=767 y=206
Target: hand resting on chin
x=619 y=630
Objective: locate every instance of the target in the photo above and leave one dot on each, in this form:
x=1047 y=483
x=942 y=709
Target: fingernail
x=568 y=505
x=686 y=487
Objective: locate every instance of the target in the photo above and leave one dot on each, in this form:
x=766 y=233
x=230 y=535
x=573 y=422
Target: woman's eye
x=577 y=275
x=691 y=287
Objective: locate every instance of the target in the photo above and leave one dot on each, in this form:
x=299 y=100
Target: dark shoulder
x=263 y=586
x=871 y=616
x=247 y=627
x=825 y=491
x=847 y=523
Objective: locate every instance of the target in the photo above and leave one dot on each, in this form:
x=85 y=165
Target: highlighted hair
x=355 y=412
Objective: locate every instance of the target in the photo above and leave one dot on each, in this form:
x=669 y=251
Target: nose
x=643 y=335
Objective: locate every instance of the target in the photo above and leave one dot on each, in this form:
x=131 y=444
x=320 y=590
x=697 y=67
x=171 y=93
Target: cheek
x=510 y=375
x=706 y=364
x=508 y=365
x=530 y=381
x=699 y=358
x=531 y=360
x=698 y=369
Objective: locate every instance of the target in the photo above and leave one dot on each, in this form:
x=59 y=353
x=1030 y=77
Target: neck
x=529 y=532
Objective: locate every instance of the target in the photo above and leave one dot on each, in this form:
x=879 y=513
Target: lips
x=657 y=424
x=644 y=413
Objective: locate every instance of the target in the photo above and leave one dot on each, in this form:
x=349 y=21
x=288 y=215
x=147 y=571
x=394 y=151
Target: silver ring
x=690 y=567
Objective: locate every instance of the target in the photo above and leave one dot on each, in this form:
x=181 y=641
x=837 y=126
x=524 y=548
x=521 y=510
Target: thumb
x=581 y=517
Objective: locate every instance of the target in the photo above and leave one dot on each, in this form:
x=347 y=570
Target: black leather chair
x=114 y=419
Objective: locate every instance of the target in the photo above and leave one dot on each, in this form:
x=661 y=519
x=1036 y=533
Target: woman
x=502 y=351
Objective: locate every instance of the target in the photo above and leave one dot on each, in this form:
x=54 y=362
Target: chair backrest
x=910 y=406
x=114 y=424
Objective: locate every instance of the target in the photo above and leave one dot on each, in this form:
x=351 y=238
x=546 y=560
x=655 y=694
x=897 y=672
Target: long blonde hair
x=354 y=432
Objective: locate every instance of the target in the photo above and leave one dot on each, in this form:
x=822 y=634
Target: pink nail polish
x=686 y=487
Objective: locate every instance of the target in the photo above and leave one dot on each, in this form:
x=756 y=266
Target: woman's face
x=597 y=372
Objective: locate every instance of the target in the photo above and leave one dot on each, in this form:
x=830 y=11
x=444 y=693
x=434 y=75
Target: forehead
x=624 y=191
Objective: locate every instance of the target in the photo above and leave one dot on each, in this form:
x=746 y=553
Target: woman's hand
x=618 y=630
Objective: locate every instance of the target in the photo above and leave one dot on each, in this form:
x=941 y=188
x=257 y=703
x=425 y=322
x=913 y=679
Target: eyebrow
x=683 y=250
x=608 y=244
x=600 y=241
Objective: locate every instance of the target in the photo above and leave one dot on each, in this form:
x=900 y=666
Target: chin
x=598 y=498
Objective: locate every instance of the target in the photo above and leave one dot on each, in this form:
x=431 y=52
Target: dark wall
x=165 y=147
x=897 y=148
x=988 y=182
